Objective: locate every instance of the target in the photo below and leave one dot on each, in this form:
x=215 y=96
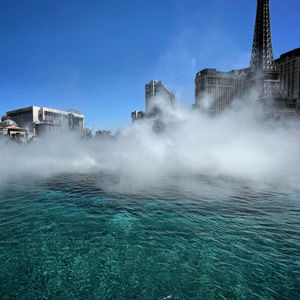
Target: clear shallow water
x=76 y=237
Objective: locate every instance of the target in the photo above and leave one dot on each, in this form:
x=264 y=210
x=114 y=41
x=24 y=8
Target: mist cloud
x=241 y=144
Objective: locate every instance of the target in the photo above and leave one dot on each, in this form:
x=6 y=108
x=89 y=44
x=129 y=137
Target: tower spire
x=262 y=58
x=263 y=73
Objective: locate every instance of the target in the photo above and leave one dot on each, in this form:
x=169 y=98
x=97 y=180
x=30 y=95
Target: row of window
x=56 y=115
x=16 y=114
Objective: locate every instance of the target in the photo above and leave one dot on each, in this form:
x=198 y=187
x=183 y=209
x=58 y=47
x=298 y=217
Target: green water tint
x=89 y=244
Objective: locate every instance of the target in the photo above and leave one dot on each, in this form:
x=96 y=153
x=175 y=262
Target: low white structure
x=43 y=120
x=10 y=129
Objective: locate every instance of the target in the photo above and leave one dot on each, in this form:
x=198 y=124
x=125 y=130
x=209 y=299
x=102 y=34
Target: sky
x=96 y=56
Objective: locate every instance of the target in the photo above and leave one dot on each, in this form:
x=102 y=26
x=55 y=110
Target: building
x=277 y=82
x=288 y=66
x=215 y=90
x=43 y=120
x=10 y=129
x=156 y=91
x=137 y=115
x=265 y=74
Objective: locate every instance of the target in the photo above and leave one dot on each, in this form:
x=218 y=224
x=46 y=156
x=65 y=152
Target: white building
x=43 y=120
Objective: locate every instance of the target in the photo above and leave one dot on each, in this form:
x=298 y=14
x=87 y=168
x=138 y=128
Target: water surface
x=88 y=237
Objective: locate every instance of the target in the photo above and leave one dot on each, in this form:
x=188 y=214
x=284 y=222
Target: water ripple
x=75 y=237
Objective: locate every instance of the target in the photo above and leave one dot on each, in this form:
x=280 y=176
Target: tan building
x=215 y=90
x=43 y=120
x=288 y=66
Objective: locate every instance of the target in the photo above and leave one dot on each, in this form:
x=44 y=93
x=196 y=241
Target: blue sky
x=96 y=56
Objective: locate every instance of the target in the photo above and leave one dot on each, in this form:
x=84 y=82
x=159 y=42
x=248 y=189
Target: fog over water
x=240 y=144
x=187 y=206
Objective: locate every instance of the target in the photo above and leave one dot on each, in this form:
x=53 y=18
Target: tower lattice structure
x=263 y=72
x=262 y=51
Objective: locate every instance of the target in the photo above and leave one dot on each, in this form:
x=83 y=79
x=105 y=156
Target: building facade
x=215 y=90
x=154 y=91
x=43 y=120
x=276 y=81
x=288 y=66
x=137 y=115
x=11 y=130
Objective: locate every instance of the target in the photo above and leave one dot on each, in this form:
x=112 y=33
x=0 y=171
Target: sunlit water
x=87 y=237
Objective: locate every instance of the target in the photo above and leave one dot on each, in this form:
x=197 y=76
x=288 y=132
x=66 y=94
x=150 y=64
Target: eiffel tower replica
x=263 y=74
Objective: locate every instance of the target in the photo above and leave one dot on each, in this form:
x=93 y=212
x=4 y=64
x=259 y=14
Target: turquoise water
x=78 y=237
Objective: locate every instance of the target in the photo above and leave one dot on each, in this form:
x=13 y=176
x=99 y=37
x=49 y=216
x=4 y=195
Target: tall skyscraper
x=157 y=91
x=157 y=97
